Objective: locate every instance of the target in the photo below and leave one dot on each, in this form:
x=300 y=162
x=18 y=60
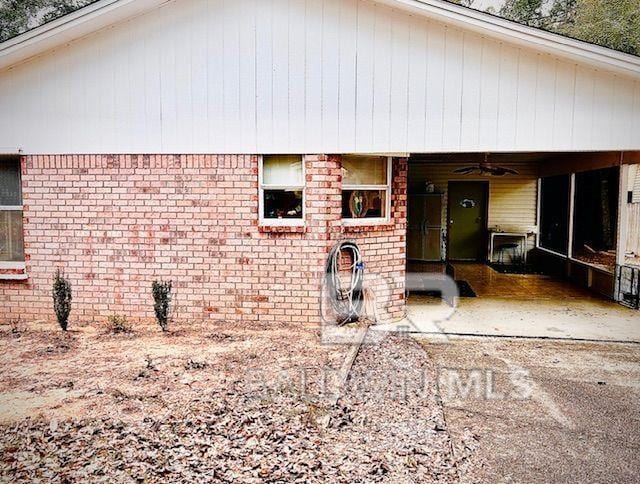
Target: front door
x=467 y=222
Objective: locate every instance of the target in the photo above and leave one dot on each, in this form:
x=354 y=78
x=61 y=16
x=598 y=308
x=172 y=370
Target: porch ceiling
x=480 y=157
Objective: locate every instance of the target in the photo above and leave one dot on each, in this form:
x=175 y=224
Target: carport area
x=521 y=305
x=541 y=245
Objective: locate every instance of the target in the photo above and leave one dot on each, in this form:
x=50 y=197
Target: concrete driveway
x=587 y=319
x=542 y=411
x=529 y=306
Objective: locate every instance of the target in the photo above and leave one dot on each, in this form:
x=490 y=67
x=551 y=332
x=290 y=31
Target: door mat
x=465 y=289
x=515 y=268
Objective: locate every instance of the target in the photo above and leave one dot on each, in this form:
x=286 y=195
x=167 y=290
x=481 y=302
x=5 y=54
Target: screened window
x=282 y=190
x=11 y=241
x=366 y=188
x=554 y=213
x=595 y=218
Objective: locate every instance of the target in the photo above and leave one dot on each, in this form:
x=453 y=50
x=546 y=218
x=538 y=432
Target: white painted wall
x=512 y=199
x=262 y=76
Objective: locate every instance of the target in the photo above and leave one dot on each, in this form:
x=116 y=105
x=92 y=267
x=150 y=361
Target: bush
x=162 y=302
x=61 y=299
x=17 y=327
x=118 y=324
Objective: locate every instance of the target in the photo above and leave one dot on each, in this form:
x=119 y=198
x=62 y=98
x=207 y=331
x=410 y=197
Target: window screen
x=364 y=170
x=365 y=187
x=10 y=193
x=595 y=219
x=11 y=239
x=282 y=187
x=282 y=171
x=11 y=243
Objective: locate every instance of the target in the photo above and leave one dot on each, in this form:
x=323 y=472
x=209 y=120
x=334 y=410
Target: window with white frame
x=366 y=189
x=282 y=190
x=11 y=240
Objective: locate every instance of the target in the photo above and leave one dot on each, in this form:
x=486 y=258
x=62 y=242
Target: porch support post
x=538 y=214
x=572 y=202
x=623 y=216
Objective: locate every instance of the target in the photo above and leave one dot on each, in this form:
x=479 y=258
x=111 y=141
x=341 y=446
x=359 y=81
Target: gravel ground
x=578 y=421
x=269 y=418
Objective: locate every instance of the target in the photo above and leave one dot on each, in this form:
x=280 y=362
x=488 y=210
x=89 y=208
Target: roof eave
x=68 y=28
x=548 y=42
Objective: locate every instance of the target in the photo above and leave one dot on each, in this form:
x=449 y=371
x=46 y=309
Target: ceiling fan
x=485 y=168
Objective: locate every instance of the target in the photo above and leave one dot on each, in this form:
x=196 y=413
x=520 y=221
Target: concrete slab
x=528 y=306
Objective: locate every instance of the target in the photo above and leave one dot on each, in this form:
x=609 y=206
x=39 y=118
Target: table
x=524 y=236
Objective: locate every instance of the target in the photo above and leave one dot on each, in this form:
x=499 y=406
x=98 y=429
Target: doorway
x=467 y=220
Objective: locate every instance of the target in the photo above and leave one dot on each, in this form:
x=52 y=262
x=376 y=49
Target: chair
x=505 y=248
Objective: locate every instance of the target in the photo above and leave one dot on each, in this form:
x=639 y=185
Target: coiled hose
x=346 y=298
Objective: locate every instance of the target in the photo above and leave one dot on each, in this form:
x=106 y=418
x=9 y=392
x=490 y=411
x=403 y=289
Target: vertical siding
x=512 y=199
x=633 y=232
x=246 y=76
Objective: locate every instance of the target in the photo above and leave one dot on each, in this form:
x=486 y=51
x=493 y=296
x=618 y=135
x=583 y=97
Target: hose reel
x=344 y=278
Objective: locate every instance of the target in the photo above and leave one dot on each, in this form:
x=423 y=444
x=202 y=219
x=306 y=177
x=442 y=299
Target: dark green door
x=467 y=220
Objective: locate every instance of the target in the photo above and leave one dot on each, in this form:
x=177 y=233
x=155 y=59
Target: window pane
x=11 y=243
x=364 y=204
x=554 y=213
x=364 y=170
x=282 y=204
x=595 y=218
x=10 y=183
x=282 y=170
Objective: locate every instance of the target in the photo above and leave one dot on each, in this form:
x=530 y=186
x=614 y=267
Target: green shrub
x=118 y=324
x=61 y=299
x=17 y=327
x=162 y=302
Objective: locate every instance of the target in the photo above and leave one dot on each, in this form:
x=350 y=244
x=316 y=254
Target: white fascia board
x=10 y=151
x=71 y=27
x=493 y=26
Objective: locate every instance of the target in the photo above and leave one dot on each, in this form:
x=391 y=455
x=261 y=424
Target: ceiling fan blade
x=495 y=170
x=465 y=170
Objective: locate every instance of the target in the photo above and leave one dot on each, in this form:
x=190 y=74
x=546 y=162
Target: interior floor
x=520 y=306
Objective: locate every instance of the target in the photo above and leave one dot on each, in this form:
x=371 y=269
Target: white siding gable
x=278 y=76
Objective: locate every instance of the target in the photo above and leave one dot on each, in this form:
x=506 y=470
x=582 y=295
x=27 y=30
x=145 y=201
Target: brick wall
x=116 y=223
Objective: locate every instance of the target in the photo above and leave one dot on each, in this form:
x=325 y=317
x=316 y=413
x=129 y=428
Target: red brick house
x=228 y=146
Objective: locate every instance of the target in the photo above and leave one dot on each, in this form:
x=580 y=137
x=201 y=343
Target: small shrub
x=148 y=370
x=118 y=324
x=17 y=327
x=61 y=299
x=162 y=302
